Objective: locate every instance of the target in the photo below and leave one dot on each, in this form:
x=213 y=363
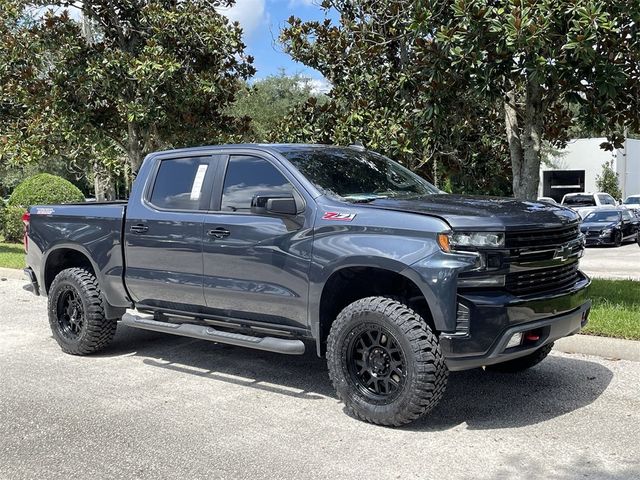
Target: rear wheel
x=523 y=363
x=385 y=362
x=76 y=313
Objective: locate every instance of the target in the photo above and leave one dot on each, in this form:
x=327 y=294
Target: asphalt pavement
x=612 y=262
x=155 y=406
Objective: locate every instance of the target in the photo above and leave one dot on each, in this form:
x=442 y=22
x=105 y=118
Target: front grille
x=542 y=280
x=542 y=237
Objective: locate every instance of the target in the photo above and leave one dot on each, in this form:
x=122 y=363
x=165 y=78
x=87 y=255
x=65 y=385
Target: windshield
x=631 y=200
x=358 y=175
x=580 y=201
x=603 y=217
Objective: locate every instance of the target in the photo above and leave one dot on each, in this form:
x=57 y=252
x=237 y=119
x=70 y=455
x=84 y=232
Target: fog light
x=514 y=341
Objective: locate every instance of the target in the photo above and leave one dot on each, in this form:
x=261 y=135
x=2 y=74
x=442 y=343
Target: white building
x=576 y=167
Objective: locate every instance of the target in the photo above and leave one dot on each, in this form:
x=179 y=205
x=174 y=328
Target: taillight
x=26 y=217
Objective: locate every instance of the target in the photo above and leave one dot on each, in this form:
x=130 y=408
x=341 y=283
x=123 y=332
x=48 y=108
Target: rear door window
x=180 y=184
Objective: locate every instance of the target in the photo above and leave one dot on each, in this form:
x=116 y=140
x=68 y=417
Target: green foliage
x=11 y=226
x=134 y=77
x=554 y=63
x=607 y=181
x=37 y=190
x=45 y=189
x=384 y=96
x=267 y=102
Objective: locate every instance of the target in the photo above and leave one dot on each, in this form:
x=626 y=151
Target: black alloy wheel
x=376 y=363
x=385 y=361
x=70 y=313
x=77 y=315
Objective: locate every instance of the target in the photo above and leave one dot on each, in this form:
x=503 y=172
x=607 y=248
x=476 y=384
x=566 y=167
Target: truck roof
x=273 y=147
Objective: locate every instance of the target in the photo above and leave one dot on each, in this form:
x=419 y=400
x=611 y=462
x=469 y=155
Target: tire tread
x=431 y=375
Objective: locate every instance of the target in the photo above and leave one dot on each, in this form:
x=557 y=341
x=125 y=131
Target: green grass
x=616 y=309
x=11 y=255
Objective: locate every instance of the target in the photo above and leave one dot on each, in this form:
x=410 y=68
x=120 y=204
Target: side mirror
x=276 y=203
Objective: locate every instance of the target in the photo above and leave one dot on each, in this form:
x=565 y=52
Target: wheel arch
x=356 y=280
x=64 y=256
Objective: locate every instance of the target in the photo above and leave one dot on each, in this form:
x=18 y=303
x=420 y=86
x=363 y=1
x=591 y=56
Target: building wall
x=629 y=168
x=586 y=154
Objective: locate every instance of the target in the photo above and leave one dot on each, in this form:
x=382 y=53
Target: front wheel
x=76 y=313
x=385 y=362
x=617 y=239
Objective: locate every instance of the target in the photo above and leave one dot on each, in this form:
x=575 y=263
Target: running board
x=269 y=344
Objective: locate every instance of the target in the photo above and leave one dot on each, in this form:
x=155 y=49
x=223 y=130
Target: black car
x=610 y=227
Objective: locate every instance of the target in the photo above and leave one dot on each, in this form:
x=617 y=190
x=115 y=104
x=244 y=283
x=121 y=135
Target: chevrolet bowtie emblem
x=563 y=253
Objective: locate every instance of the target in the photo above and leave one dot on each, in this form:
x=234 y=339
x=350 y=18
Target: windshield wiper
x=364 y=199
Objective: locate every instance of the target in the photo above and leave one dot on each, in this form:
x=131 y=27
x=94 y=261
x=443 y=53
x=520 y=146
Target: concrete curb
x=12 y=273
x=612 y=276
x=600 y=346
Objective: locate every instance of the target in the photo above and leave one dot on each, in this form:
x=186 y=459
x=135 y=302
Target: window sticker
x=196 y=188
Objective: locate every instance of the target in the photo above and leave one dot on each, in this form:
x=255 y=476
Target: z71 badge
x=343 y=217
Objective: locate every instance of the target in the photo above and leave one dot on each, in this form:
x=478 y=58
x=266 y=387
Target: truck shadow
x=481 y=399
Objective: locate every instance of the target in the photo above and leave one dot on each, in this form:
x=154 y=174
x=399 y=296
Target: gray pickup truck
x=284 y=247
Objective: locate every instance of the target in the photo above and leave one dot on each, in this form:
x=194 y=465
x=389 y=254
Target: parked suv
x=280 y=247
x=632 y=202
x=584 y=202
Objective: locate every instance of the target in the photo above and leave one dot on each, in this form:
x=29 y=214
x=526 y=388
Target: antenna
x=358 y=145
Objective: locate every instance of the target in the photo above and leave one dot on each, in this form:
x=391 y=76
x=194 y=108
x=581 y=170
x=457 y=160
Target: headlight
x=606 y=232
x=476 y=240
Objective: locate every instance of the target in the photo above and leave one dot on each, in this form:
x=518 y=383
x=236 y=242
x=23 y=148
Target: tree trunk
x=103 y=185
x=134 y=147
x=525 y=142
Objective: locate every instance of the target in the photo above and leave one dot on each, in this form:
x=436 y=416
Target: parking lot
x=611 y=262
x=154 y=406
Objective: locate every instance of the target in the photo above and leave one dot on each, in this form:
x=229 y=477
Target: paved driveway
x=155 y=406
x=612 y=262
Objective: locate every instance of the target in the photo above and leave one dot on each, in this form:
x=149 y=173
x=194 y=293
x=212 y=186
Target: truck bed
x=94 y=229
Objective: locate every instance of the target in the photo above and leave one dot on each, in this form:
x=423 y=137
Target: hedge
x=41 y=189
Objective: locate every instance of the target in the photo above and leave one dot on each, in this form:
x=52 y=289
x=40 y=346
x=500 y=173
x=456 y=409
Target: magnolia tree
x=129 y=77
x=386 y=95
x=550 y=63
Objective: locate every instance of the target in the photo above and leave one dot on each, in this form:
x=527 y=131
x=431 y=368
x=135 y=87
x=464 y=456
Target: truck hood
x=482 y=213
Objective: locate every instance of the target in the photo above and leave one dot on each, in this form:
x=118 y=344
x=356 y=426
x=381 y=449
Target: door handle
x=140 y=228
x=219 y=232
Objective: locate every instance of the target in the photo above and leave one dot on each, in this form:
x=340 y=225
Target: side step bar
x=202 y=332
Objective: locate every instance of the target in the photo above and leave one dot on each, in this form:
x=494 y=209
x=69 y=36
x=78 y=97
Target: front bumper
x=608 y=240
x=495 y=317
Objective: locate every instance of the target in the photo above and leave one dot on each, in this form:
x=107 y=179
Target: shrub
x=44 y=189
x=41 y=189
x=12 y=226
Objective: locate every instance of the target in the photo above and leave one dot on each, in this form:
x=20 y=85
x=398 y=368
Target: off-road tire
x=523 y=363
x=96 y=331
x=425 y=377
